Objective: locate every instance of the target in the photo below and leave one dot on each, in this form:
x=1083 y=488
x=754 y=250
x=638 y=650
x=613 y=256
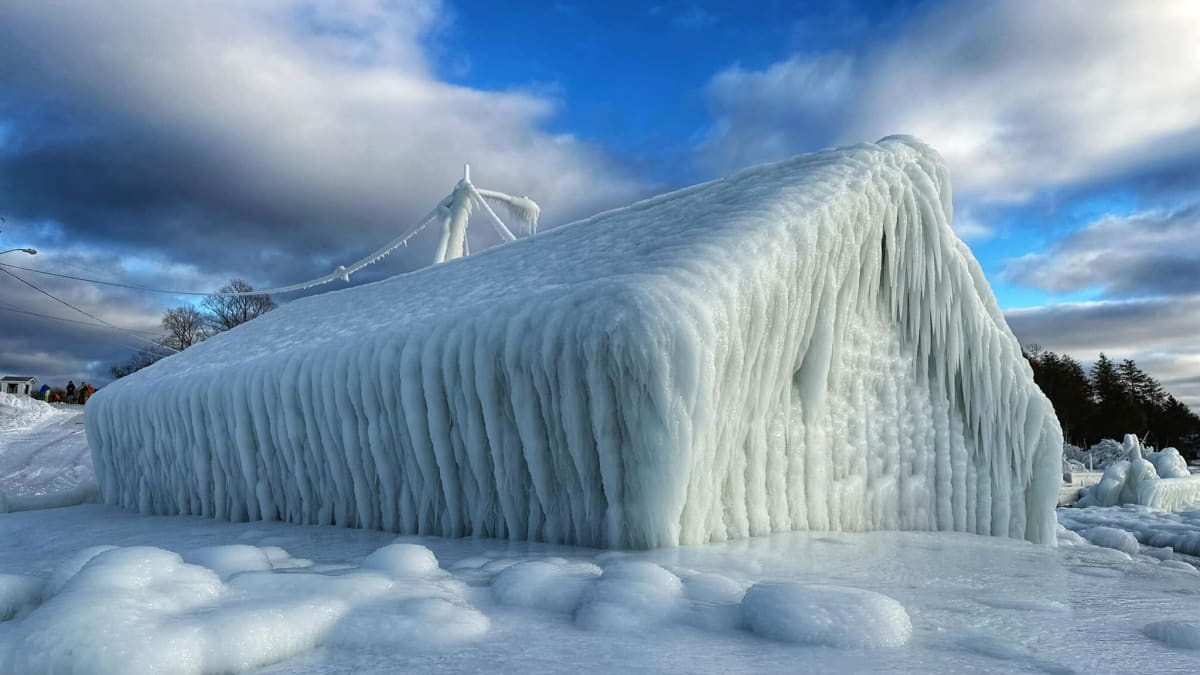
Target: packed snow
x=101 y=590
x=22 y=412
x=800 y=346
x=44 y=455
x=1159 y=480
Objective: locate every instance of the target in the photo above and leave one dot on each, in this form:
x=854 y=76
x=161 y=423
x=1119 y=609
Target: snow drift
x=19 y=412
x=804 y=345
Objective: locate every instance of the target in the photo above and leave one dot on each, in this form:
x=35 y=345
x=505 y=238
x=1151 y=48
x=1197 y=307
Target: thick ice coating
x=803 y=345
x=1159 y=480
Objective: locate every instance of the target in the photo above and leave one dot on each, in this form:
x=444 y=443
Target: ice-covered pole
x=460 y=205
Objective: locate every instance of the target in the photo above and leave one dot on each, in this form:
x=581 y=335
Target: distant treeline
x=1112 y=400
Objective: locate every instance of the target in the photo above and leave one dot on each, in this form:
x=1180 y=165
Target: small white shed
x=19 y=385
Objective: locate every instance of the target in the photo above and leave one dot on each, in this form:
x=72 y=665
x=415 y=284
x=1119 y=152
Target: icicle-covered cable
x=343 y=272
x=524 y=209
x=501 y=229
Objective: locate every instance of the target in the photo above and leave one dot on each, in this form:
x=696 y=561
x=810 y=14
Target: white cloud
x=1148 y=253
x=1018 y=95
x=969 y=228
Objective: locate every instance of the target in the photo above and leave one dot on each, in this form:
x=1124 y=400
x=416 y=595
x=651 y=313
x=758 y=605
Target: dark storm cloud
x=296 y=126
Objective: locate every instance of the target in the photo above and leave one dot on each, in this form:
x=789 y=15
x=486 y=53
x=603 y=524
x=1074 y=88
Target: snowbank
x=18 y=412
x=1159 y=480
x=84 y=493
x=804 y=345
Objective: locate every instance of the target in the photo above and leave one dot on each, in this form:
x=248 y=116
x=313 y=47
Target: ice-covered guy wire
x=453 y=213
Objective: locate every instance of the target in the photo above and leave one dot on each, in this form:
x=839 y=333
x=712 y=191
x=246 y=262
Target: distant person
x=44 y=393
x=70 y=391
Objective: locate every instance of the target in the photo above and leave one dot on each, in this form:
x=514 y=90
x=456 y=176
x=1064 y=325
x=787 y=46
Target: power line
x=98 y=281
x=83 y=312
x=19 y=310
x=341 y=273
x=9 y=308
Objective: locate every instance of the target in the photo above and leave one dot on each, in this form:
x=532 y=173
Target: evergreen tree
x=1065 y=383
x=1117 y=410
x=1114 y=400
x=1148 y=392
x=1177 y=426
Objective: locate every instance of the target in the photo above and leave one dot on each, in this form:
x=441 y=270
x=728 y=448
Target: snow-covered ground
x=314 y=599
x=43 y=448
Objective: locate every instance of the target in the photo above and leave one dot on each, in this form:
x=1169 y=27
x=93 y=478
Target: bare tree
x=139 y=360
x=227 y=311
x=185 y=326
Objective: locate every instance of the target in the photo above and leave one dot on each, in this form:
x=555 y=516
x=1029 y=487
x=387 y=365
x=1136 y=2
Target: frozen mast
x=455 y=210
x=804 y=345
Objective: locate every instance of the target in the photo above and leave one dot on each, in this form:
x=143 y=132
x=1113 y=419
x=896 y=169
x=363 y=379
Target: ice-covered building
x=803 y=345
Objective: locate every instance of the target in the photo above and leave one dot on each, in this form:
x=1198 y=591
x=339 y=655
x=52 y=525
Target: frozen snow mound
x=22 y=412
x=1159 y=480
x=803 y=345
x=826 y=615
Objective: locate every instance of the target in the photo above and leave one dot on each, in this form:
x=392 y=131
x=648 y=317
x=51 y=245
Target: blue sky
x=633 y=79
x=182 y=144
x=631 y=76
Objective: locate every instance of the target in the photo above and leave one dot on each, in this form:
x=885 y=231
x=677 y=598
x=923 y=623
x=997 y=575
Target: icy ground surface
x=313 y=599
x=43 y=448
x=1153 y=530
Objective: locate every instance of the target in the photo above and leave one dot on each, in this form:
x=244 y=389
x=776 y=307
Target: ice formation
x=804 y=345
x=80 y=593
x=826 y=615
x=1159 y=480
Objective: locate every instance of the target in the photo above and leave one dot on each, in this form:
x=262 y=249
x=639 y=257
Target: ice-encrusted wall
x=803 y=345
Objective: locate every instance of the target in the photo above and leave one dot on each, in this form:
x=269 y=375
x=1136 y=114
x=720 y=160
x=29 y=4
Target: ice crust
x=974 y=604
x=804 y=345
